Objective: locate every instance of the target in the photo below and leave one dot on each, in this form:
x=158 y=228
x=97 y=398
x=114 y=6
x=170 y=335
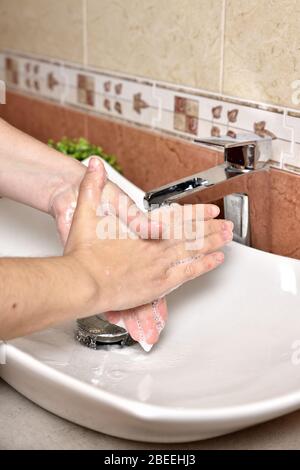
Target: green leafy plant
x=81 y=149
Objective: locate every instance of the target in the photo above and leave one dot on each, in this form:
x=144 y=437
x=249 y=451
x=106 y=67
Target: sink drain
x=95 y=332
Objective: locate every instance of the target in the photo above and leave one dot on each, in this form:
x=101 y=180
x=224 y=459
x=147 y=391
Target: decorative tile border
x=182 y=111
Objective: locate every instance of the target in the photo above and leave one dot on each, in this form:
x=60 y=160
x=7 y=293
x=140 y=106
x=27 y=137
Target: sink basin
x=228 y=358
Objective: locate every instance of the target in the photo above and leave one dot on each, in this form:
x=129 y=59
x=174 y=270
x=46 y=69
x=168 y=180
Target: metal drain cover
x=95 y=332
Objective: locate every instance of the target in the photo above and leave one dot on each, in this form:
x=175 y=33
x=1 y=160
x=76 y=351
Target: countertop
x=48 y=431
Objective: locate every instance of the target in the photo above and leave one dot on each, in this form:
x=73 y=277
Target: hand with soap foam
x=144 y=323
x=130 y=272
x=39 y=176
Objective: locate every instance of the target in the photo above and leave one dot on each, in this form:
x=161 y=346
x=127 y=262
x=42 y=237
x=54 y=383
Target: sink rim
x=151 y=412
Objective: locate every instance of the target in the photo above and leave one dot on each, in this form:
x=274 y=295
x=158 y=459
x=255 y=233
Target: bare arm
x=43 y=178
x=39 y=292
x=31 y=172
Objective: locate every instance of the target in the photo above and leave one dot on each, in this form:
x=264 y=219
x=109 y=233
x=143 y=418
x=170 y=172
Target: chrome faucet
x=243 y=154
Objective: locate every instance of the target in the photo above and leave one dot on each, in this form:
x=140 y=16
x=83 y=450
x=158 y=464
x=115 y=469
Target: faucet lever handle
x=245 y=152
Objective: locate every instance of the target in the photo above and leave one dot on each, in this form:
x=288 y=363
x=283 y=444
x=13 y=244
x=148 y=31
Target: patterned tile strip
x=181 y=111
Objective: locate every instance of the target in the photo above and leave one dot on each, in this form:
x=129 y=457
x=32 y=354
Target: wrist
x=88 y=291
x=64 y=190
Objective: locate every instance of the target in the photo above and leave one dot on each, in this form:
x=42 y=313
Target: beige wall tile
x=46 y=27
x=173 y=40
x=262 y=49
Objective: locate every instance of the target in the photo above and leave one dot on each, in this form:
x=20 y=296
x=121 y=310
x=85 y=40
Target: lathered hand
x=129 y=272
x=145 y=323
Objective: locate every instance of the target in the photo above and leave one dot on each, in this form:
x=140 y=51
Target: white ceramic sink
x=228 y=358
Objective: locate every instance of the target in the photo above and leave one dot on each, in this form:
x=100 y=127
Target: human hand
x=128 y=272
x=143 y=323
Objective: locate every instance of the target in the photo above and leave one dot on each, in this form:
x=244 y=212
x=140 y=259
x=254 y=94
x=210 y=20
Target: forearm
x=31 y=172
x=37 y=293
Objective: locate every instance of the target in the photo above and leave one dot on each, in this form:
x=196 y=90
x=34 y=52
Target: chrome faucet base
x=242 y=155
x=236 y=209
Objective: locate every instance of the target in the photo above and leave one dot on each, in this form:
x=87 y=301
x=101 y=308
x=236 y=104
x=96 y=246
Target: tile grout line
x=84 y=33
x=291 y=154
x=85 y=53
x=223 y=24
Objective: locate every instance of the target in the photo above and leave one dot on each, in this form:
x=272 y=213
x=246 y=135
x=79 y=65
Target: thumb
x=91 y=188
x=83 y=224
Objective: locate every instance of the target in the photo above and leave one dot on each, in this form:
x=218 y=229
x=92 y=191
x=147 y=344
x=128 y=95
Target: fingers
x=200 y=229
x=127 y=211
x=151 y=319
x=215 y=226
x=187 y=212
x=211 y=211
x=197 y=211
x=192 y=268
x=113 y=317
x=215 y=241
x=188 y=221
x=144 y=323
x=150 y=225
x=202 y=245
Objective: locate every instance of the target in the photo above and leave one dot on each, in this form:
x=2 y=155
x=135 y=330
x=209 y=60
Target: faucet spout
x=241 y=155
x=186 y=186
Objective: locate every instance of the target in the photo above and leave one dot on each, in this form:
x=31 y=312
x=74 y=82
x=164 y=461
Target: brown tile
x=86 y=89
x=179 y=104
x=285 y=210
x=81 y=81
x=260 y=129
x=231 y=133
x=118 y=88
x=149 y=159
x=192 y=108
x=191 y=125
x=107 y=86
x=215 y=131
x=42 y=119
x=12 y=71
x=139 y=103
x=51 y=81
x=118 y=107
x=180 y=122
x=90 y=97
x=232 y=115
x=106 y=104
x=217 y=111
